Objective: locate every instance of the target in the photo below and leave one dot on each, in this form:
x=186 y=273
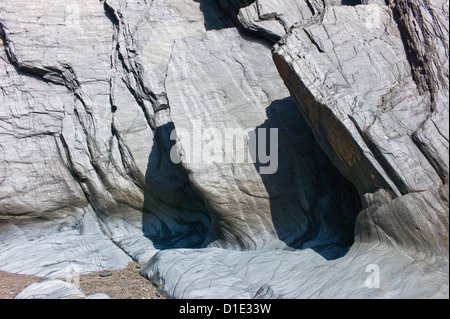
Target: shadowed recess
x=173 y=215
x=320 y=211
x=215 y=18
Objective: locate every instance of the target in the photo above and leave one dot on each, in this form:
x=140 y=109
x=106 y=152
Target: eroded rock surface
x=224 y=81
x=350 y=70
x=84 y=119
x=361 y=98
x=96 y=98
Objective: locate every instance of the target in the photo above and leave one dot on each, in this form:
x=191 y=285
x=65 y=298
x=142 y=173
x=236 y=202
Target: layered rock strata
x=138 y=129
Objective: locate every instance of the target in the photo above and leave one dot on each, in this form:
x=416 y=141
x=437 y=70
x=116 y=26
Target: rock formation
x=56 y=289
x=138 y=130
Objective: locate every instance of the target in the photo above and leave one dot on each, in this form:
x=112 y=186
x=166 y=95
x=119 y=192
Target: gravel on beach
x=119 y=284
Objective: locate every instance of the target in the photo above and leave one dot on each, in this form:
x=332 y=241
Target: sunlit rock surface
x=106 y=104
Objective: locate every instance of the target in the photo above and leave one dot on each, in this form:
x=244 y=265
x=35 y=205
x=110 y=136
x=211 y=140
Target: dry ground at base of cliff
x=119 y=284
x=12 y=284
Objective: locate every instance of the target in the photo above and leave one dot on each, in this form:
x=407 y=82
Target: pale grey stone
x=51 y=289
x=67 y=244
x=357 y=91
x=83 y=124
x=56 y=289
x=90 y=92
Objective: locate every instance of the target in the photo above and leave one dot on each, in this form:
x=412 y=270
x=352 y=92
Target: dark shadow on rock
x=233 y=6
x=223 y=14
x=312 y=204
x=215 y=16
x=174 y=216
x=351 y=2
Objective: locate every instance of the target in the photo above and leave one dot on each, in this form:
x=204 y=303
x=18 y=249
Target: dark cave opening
x=312 y=205
x=318 y=213
x=320 y=210
x=174 y=216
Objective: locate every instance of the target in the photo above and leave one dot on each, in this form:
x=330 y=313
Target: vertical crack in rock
x=424 y=29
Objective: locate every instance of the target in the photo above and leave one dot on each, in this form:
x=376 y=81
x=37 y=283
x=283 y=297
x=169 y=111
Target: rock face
x=83 y=115
x=214 y=88
x=300 y=147
x=357 y=112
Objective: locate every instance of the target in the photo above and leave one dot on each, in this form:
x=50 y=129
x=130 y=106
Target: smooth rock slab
x=56 y=289
x=73 y=243
x=393 y=257
x=51 y=289
x=215 y=273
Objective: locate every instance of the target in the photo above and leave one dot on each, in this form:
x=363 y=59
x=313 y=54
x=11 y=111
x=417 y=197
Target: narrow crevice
x=387 y=168
x=128 y=161
x=351 y=2
x=140 y=93
x=423 y=148
x=313 y=41
x=110 y=13
x=105 y=232
x=308 y=3
x=418 y=63
x=81 y=182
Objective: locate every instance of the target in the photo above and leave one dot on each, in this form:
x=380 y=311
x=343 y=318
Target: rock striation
x=56 y=289
x=214 y=88
x=83 y=115
x=256 y=149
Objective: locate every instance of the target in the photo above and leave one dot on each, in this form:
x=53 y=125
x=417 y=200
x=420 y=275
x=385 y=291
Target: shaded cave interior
x=319 y=213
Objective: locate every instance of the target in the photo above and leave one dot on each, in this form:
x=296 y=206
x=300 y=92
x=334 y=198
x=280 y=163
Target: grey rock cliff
x=96 y=168
x=226 y=81
x=84 y=127
x=357 y=104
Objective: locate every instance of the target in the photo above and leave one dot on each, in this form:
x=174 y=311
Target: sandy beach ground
x=119 y=284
